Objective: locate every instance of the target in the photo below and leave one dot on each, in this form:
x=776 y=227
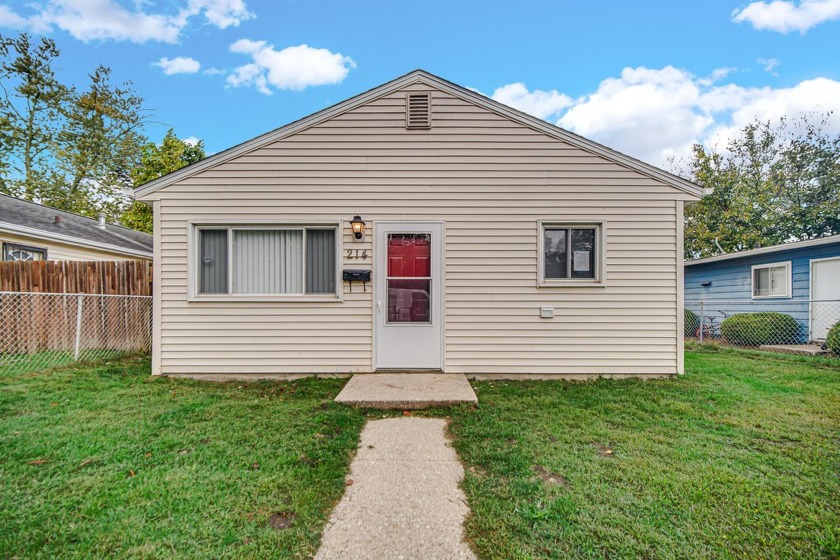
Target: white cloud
x=542 y=104
x=92 y=20
x=10 y=19
x=178 y=65
x=191 y=140
x=214 y=72
x=293 y=68
x=785 y=16
x=655 y=114
x=769 y=65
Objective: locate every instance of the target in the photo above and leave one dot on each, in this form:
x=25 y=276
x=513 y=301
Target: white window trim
x=788 y=283
x=600 y=280
x=193 y=294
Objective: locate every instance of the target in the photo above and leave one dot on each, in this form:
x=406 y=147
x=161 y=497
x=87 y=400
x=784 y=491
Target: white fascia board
x=70 y=240
x=765 y=250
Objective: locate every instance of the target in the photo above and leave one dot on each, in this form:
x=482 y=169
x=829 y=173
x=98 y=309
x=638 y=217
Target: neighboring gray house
x=495 y=244
x=33 y=232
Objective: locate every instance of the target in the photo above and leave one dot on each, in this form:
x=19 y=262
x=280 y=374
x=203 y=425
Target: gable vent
x=418 y=110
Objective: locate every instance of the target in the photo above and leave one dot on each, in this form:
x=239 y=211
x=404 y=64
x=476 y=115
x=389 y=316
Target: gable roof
x=37 y=220
x=768 y=250
x=421 y=76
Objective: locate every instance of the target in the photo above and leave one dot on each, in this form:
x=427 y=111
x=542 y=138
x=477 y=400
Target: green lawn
x=108 y=462
x=738 y=458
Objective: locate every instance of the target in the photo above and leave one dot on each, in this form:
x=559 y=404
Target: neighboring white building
x=497 y=244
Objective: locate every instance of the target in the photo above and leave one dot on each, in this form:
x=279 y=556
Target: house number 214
x=356 y=254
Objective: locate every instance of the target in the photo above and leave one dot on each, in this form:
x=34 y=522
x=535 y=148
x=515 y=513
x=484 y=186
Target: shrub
x=755 y=329
x=833 y=339
x=691 y=322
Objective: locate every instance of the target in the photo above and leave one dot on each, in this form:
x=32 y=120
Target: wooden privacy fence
x=77 y=277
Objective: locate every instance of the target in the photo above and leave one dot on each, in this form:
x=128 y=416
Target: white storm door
x=825 y=288
x=408 y=303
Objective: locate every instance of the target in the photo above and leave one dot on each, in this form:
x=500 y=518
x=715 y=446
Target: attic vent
x=418 y=110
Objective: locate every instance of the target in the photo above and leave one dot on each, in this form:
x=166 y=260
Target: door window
x=409 y=278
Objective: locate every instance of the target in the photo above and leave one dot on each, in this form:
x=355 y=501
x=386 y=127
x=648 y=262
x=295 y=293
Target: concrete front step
x=406 y=391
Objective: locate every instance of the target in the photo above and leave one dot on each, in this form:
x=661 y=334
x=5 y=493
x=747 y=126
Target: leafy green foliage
x=691 y=321
x=70 y=149
x=98 y=148
x=156 y=161
x=32 y=110
x=755 y=329
x=772 y=184
x=105 y=462
x=735 y=459
x=833 y=339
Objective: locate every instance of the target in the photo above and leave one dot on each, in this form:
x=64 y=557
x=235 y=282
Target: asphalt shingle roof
x=36 y=216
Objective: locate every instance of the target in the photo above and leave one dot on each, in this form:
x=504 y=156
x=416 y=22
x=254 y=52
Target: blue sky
x=648 y=78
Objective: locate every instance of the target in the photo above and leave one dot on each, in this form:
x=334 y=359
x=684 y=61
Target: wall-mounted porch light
x=358 y=226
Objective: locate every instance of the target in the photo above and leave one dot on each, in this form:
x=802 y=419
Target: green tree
x=98 y=148
x=774 y=183
x=156 y=161
x=32 y=109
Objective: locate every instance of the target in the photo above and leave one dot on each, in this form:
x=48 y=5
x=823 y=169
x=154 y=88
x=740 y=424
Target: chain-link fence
x=789 y=325
x=40 y=330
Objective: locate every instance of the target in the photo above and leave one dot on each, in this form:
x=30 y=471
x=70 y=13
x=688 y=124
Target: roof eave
x=52 y=236
x=395 y=85
x=796 y=245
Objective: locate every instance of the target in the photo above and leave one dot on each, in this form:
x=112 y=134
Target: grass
x=739 y=458
x=105 y=461
x=13 y=364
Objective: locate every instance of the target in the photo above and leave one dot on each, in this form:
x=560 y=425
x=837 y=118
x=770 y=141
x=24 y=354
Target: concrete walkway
x=406 y=391
x=404 y=501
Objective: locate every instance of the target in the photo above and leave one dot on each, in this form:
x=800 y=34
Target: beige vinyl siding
x=57 y=251
x=490 y=180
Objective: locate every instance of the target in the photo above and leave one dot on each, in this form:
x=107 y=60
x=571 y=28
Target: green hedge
x=833 y=339
x=691 y=322
x=755 y=329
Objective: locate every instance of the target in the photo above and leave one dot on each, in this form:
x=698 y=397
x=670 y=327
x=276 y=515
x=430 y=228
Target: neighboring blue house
x=801 y=279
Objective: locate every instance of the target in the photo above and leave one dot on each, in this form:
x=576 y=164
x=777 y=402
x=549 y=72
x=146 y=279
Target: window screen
x=320 y=261
x=570 y=252
x=213 y=261
x=770 y=281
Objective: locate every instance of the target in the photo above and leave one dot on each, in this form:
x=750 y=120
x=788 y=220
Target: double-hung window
x=771 y=280
x=267 y=261
x=571 y=254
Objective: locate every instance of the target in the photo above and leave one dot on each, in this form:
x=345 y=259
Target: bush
x=833 y=339
x=755 y=329
x=691 y=322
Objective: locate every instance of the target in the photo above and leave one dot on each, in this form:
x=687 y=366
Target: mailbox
x=351 y=275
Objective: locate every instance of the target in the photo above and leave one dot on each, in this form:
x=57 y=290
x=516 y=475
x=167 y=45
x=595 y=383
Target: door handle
x=379 y=307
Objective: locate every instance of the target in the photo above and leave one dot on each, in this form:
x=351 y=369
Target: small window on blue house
x=771 y=280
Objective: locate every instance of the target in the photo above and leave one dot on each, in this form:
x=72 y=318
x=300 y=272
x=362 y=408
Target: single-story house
x=33 y=232
x=801 y=279
x=418 y=226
